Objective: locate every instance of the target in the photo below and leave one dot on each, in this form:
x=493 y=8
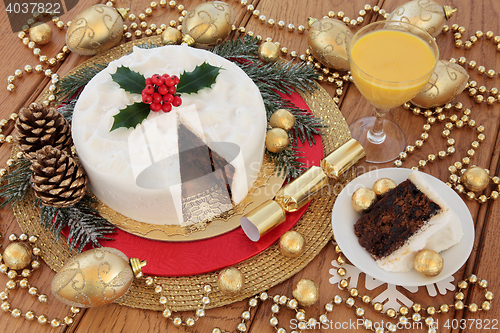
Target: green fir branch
x=148 y=45
x=67 y=109
x=245 y=48
x=18 y=182
x=84 y=222
x=287 y=163
x=71 y=85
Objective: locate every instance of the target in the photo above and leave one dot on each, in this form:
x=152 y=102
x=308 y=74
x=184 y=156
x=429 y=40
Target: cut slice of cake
x=411 y=217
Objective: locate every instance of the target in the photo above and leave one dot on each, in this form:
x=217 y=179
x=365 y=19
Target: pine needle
x=84 y=223
x=18 y=182
x=71 y=86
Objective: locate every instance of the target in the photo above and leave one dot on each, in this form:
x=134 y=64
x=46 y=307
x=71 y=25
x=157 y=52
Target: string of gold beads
x=141 y=28
x=450 y=122
x=167 y=312
x=21 y=280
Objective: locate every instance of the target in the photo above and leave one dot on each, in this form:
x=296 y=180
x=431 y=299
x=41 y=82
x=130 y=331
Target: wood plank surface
x=473 y=15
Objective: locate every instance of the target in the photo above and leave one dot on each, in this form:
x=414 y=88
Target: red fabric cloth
x=197 y=257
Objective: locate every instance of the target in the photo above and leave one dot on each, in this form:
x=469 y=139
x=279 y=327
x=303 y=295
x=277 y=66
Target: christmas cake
x=194 y=162
x=410 y=217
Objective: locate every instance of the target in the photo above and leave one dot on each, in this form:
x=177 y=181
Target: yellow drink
x=390 y=67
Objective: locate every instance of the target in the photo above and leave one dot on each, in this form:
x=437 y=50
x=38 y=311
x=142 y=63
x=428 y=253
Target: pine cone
x=38 y=126
x=57 y=179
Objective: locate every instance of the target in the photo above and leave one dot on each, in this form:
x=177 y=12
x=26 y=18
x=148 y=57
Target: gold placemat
x=262 y=271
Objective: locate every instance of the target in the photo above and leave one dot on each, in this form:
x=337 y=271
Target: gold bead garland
x=451 y=122
x=355 y=300
x=20 y=279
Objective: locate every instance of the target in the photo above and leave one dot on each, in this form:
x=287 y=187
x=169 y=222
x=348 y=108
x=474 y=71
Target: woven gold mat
x=262 y=271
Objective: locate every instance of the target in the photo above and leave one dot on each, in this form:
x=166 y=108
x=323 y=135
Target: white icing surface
x=231 y=111
x=441 y=232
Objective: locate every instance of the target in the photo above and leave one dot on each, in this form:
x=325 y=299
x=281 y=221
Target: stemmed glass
x=391 y=61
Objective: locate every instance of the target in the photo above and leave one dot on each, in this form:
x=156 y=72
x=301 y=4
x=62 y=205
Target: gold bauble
x=40 y=33
x=282 y=118
x=230 y=281
x=425 y=14
x=208 y=24
x=475 y=179
x=363 y=199
x=383 y=185
x=17 y=256
x=268 y=52
x=171 y=36
x=328 y=42
x=95 y=30
x=428 y=263
x=93 y=278
x=292 y=244
x=277 y=140
x=306 y=292
x=448 y=81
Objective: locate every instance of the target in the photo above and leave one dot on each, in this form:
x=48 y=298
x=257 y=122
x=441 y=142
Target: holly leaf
x=203 y=76
x=129 y=80
x=131 y=116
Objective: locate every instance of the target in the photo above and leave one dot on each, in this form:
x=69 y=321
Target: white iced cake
x=137 y=171
x=410 y=218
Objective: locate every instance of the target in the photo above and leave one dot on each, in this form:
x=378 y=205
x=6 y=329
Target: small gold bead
x=301 y=29
x=467 y=45
x=486 y=306
x=391 y=313
x=340 y=14
x=483 y=284
x=138 y=33
x=472 y=64
x=444 y=308
x=473 y=307
x=366 y=299
x=403 y=310
x=378 y=307
x=459 y=305
x=458 y=43
x=471 y=195
x=431 y=310
x=416 y=307
x=42 y=319
x=479 y=98
x=331 y=14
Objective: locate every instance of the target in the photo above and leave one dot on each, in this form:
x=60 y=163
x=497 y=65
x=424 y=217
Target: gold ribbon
x=300 y=191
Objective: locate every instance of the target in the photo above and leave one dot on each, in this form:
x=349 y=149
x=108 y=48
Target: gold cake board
x=262 y=271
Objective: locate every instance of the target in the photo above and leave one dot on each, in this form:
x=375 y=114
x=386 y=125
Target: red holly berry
x=149 y=89
x=166 y=76
x=176 y=79
x=149 y=81
x=157 y=98
x=170 y=82
x=147 y=98
x=177 y=101
x=168 y=98
x=155 y=107
x=166 y=107
x=163 y=89
x=157 y=80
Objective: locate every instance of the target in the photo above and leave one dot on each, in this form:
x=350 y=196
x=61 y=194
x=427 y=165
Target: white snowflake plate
x=344 y=218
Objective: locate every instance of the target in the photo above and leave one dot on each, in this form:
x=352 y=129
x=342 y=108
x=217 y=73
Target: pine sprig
x=67 y=109
x=244 y=48
x=287 y=163
x=71 y=85
x=84 y=222
x=18 y=182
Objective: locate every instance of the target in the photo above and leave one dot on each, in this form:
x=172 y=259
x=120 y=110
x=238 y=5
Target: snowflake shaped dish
x=344 y=218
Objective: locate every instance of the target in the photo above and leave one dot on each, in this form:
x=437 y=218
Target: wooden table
x=473 y=15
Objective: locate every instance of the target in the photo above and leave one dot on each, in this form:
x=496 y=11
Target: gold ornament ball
x=306 y=292
x=328 y=41
x=93 y=278
x=95 y=30
x=17 y=256
x=447 y=81
x=171 y=36
x=427 y=15
x=475 y=179
x=292 y=244
x=428 y=263
x=282 y=118
x=277 y=140
x=363 y=199
x=268 y=52
x=40 y=33
x=383 y=185
x=231 y=281
x=208 y=24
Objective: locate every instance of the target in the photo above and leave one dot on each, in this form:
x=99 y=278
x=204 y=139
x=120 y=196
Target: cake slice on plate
x=411 y=217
